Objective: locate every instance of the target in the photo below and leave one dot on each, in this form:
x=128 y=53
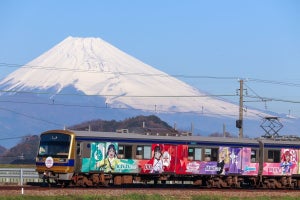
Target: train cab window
x=273 y=156
x=194 y=153
x=211 y=154
x=143 y=152
x=253 y=155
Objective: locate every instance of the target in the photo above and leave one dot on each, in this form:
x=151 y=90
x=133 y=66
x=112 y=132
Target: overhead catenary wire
x=145 y=74
x=30 y=117
x=256 y=96
x=109 y=107
x=24 y=66
x=10 y=65
x=13 y=138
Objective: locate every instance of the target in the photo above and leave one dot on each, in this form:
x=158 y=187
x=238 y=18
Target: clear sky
x=208 y=44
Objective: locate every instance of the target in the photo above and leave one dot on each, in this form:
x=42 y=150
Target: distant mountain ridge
x=150 y=125
x=83 y=79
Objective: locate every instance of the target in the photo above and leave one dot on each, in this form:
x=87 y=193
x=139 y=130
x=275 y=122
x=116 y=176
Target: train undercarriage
x=204 y=181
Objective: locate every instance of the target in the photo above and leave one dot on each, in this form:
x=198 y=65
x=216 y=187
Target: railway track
x=176 y=192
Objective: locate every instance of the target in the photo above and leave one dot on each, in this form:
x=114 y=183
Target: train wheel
x=209 y=183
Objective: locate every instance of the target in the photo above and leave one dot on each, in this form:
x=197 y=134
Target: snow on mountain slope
x=94 y=67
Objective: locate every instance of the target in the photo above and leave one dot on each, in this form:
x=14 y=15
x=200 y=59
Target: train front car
x=55 y=159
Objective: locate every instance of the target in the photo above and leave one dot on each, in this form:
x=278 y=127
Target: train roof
x=181 y=139
x=144 y=138
x=280 y=142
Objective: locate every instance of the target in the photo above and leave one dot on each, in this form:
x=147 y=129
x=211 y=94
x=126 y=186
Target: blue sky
x=214 y=41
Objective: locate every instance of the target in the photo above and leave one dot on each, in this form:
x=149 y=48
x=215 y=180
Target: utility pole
x=239 y=123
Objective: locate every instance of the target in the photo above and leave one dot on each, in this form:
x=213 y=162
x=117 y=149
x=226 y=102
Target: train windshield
x=55 y=145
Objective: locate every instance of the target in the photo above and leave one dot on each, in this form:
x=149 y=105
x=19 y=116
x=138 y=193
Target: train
x=91 y=159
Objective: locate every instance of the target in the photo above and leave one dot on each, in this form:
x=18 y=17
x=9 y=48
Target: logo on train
x=49 y=162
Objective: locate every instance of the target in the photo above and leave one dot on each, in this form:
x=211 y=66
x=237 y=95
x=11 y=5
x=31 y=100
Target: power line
x=102 y=107
x=12 y=138
x=10 y=65
x=273 y=99
x=29 y=116
x=110 y=72
x=274 y=82
x=263 y=99
x=116 y=95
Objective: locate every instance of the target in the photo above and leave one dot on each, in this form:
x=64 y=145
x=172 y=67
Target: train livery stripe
x=68 y=164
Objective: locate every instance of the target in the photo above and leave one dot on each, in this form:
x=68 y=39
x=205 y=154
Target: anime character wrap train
x=85 y=158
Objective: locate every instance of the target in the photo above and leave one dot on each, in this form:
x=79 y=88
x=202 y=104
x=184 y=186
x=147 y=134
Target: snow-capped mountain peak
x=94 y=67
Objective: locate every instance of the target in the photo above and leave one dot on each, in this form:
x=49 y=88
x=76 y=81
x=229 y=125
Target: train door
x=235 y=160
x=82 y=155
x=229 y=160
x=250 y=161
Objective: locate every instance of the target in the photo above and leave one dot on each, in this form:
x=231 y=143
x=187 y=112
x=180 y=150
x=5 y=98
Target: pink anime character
x=286 y=162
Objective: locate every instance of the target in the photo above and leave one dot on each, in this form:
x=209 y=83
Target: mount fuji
x=82 y=79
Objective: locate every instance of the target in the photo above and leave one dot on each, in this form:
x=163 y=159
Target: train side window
x=139 y=152
x=85 y=149
x=274 y=156
x=214 y=154
x=128 y=152
x=207 y=155
x=211 y=154
x=143 y=152
x=125 y=151
x=253 y=155
x=78 y=151
x=121 y=152
x=147 y=152
x=194 y=153
x=191 y=153
x=198 y=154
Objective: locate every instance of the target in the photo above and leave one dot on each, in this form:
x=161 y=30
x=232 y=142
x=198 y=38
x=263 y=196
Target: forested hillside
x=26 y=150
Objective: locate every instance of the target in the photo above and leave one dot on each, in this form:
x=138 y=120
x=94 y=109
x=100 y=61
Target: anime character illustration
x=169 y=161
x=286 y=162
x=223 y=159
x=111 y=161
x=156 y=161
x=235 y=160
x=98 y=151
x=97 y=154
x=181 y=161
x=166 y=159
